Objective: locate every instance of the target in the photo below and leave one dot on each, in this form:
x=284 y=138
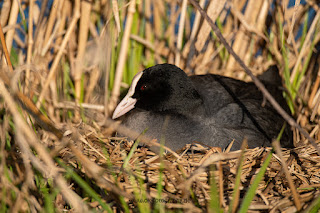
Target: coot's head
x=161 y=88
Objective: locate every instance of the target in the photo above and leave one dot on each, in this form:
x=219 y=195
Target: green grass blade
x=236 y=189
x=85 y=186
x=315 y=206
x=133 y=149
x=252 y=190
x=214 y=204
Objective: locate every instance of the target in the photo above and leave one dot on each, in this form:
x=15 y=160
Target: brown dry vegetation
x=72 y=59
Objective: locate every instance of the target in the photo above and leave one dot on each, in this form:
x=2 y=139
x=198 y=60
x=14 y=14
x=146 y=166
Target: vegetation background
x=72 y=59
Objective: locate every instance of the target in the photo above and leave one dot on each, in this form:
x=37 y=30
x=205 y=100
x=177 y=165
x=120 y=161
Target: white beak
x=127 y=102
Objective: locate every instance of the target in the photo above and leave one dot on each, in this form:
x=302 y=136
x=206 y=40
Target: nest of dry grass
x=186 y=177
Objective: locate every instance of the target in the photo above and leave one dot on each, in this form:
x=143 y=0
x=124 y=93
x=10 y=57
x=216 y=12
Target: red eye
x=143 y=87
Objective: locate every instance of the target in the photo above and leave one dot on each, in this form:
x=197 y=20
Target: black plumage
x=210 y=109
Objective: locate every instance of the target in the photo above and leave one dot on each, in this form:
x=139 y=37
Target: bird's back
x=240 y=106
x=231 y=110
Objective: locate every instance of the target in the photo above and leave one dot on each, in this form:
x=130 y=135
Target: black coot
x=210 y=109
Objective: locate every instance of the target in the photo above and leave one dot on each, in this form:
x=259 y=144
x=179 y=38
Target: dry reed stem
x=288 y=13
x=76 y=15
x=252 y=27
x=145 y=42
x=241 y=40
x=72 y=105
x=180 y=32
x=4 y=47
x=5 y=12
x=261 y=21
x=213 y=11
x=158 y=12
x=82 y=42
x=196 y=23
x=188 y=50
x=48 y=44
x=12 y=21
x=306 y=45
x=122 y=56
x=30 y=41
x=82 y=36
x=296 y=7
x=115 y=9
x=51 y=20
x=62 y=15
x=149 y=36
x=39 y=22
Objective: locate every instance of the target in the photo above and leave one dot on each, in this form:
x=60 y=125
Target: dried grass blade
x=276 y=145
x=115 y=9
x=5 y=49
x=30 y=40
x=180 y=32
x=214 y=9
x=12 y=20
x=306 y=45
